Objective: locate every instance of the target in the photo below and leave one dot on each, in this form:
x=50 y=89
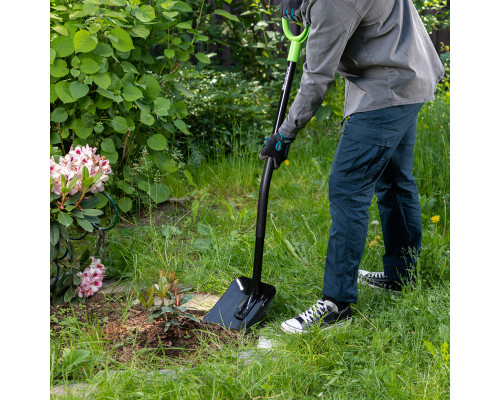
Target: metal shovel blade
x=237 y=302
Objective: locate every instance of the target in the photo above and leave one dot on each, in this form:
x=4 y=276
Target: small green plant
x=171 y=298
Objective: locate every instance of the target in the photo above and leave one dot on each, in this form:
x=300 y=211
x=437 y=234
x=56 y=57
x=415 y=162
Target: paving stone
x=200 y=302
x=77 y=390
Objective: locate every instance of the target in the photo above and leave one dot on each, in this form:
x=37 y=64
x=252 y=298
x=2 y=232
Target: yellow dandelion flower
x=377 y=237
x=372 y=243
x=435 y=219
x=287 y=163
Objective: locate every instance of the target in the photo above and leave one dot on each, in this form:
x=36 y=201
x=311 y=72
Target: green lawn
x=396 y=348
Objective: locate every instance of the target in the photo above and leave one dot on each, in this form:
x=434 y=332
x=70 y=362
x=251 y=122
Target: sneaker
x=378 y=280
x=323 y=312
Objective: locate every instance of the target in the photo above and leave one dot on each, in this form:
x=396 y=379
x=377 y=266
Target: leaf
x=159 y=192
x=68 y=295
x=59 y=115
x=184 y=25
x=86 y=225
x=89 y=66
x=119 y=124
x=195 y=205
x=204 y=230
x=76 y=357
x=120 y=39
x=169 y=53
x=225 y=14
x=157 y=142
x=84 y=42
x=65 y=219
x=149 y=296
x=202 y=58
x=54 y=233
x=128 y=67
x=58 y=68
x=131 y=93
x=102 y=79
x=103 y=50
x=170 y=230
x=62 y=90
x=92 y=212
x=181 y=125
x=189 y=177
x=61 y=30
x=140 y=31
x=194 y=318
x=63 y=46
x=181 y=6
x=162 y=106
x=430 y=347
x=145 y=13
x=152 y=87
x=108 y=145
x=125 y=204
x=146 y=118
x=183 y=89
x=78 y=89
x=91 y=202
x=52 y=55
x=164 y=163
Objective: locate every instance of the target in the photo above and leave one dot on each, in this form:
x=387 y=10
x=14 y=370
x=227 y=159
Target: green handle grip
x=293 y=53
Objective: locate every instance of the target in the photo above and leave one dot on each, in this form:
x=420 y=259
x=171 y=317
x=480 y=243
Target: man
x=391 y=69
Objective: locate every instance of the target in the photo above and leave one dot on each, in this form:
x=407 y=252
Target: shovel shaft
x=266 y=181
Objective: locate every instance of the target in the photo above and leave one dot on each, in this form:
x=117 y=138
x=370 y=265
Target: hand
x=277 y=147
x=290 y=10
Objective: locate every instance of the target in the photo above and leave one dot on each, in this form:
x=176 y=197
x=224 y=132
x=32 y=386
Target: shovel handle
x=269 y=165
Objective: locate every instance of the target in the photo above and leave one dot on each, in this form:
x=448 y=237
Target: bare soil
x=127 y=333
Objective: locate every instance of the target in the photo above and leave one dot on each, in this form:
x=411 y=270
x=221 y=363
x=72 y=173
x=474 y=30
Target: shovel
x=244 y=302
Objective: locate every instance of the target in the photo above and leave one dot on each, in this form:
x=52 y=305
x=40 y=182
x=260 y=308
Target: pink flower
x=71 y=166
x=91 y=278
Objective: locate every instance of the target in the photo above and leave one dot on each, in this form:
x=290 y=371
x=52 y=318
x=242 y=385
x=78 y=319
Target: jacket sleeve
x=332 y=23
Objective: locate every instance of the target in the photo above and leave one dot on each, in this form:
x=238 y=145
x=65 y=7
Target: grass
x=396 y=348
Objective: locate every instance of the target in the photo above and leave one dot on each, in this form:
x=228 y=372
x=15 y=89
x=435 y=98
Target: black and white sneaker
x=378 y=280
x=324 y=312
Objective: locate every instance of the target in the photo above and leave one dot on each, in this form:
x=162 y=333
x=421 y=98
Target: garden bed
x=129 y=332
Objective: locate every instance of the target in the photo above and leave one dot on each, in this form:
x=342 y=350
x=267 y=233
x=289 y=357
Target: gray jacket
x=380 y=47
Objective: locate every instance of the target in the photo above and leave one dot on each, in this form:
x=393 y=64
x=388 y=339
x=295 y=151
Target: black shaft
x=266 y=181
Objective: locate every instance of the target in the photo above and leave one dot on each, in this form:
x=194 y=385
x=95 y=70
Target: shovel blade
x=223 y=313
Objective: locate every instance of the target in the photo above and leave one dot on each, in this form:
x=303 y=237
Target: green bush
x=226 y=104
x=107 y=89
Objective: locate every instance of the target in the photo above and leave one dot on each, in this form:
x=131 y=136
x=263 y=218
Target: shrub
x=74 y=181
x=108 y=90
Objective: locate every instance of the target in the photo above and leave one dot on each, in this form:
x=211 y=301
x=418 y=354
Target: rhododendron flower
x=71 y=166
x=91 y=278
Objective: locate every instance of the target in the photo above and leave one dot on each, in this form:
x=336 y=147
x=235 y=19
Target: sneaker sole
x=292 y=331
x=378 y=287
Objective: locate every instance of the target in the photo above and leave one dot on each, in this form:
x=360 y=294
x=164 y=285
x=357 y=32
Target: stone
x=76 y=390
x=200 y=302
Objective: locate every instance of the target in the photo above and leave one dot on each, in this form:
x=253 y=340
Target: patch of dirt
x=127 y=333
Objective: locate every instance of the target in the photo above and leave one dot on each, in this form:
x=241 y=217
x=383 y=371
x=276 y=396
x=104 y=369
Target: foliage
x=435 y=14
x=252 y=33
x=222 y=102
x=171 y=298
x=110 y=91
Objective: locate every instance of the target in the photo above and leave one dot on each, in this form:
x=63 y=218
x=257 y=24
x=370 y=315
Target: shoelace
x=376 y=275
x=315 y=310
